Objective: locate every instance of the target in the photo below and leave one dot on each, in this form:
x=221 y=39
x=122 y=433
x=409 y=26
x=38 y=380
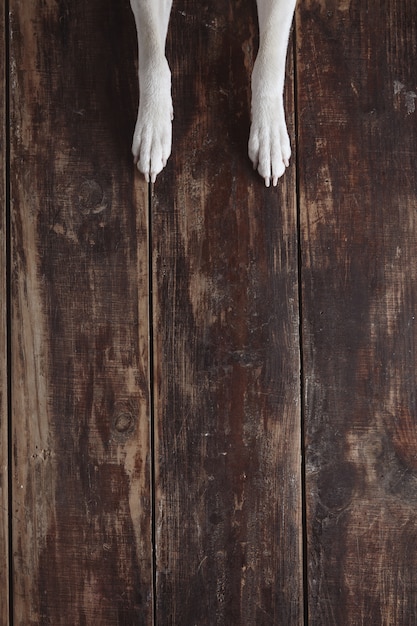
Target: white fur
x=269 y=144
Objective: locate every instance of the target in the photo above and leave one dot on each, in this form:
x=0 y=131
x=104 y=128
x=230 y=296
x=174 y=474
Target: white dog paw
x=269 y=145
x=152 y=138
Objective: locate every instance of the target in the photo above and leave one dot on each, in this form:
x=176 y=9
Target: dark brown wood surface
x=4 y=508
x=357 y=85
x=80 y=391
x=227 y=410
x=155 y=390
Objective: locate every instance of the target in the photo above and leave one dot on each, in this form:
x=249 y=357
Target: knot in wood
x=91 y=198
x=124 y=420
x=123 y=423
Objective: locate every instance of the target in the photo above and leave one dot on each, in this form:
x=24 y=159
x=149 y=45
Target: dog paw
x=151 y=145
x=269 y=145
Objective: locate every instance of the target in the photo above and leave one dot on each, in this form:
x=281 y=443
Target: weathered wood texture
x=225 y=326
x=81 y=484
x=357 y=87
x=4 y=497
x=228 y=514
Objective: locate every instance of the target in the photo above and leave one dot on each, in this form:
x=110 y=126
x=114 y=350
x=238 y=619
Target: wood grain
x=4 y=492
x=356 y=98
x=81 y=480
x=224 y=342
x=226 y=379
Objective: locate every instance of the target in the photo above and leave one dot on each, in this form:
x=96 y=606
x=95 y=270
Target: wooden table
x=208 y=388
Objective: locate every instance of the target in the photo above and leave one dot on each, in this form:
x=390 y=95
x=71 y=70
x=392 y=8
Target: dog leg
x=151 y=145
x=269 y=144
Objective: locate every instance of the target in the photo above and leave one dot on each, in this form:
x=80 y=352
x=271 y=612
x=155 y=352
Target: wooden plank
x=81 y=485
x=358 y=132
x=228 y=515
x=4 y=477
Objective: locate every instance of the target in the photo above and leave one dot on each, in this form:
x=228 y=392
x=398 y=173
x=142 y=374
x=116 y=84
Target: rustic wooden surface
x=205 y=527
x=4 y=543
x=80 y=392
x=227 y=410
x=357 y=85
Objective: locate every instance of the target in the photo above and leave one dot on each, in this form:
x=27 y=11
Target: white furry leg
x=152 y=137
x=269 y=144
x=151 y=145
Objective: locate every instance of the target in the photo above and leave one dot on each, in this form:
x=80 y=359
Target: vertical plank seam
x=152 y=424
x=304 y=554
x=6 y=121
